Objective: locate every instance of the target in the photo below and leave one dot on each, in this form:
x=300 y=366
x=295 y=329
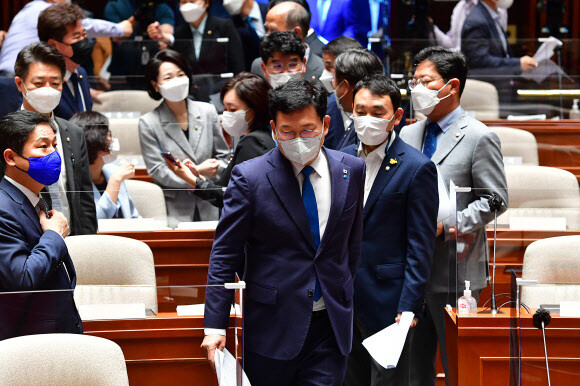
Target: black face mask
x=81 y=51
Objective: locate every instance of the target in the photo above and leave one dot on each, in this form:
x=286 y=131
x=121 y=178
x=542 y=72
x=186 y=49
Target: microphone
x=494 y=203
x=541 y=319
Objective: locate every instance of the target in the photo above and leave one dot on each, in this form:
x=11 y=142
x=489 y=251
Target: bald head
x=288 y=16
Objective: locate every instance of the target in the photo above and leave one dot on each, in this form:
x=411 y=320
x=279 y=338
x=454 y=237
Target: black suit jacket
x=481 y=44
x=214 y=57
x=79 y=184
x=68 y=103
x=33 y=260
x=314 y=43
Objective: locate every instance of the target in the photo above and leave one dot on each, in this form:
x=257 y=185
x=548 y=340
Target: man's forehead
x=426 y=68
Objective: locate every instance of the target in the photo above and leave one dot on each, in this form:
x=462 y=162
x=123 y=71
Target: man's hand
x=2 y=37
x=124 y=172
x=210 y=344
x=95 y=95
x=154 y=31
x=528 y=63
x=209 y=167
x=439 y=229
x=57 y=222
x=413 y=323
x=127 y=26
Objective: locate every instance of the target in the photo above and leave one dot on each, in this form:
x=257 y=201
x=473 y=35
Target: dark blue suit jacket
x=68 y=103
x=336 y=132
x=264 y=231
x=482 y=45
x=400 y=222
x=33 y=260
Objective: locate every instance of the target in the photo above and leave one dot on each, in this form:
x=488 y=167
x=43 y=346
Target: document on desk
x=226 y=368
x=386 y=345
x=546 y=50
x=444 y=205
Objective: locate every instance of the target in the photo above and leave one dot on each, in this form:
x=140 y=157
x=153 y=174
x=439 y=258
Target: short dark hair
x=339 y=45
x=449 y=64
x=96 y=129
x=356 y=64
x=53 y=21
x=381 y=85
x=152 y=69
x=253 y=90
x=295 y=95
x=15 y=128
x=39 y=52
x=285 y=42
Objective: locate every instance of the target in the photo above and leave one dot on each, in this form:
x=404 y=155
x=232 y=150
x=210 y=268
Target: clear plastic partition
x=156 y=327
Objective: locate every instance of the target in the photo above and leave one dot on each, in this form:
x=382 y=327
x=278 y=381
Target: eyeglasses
x=414 y=82
x=288 y=135
x=278 y=68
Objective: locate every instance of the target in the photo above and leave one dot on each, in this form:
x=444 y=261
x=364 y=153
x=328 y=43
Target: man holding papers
x=400 y=213
x=469 y=154
x=292 y=223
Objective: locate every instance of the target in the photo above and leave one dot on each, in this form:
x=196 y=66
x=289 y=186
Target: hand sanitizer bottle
x=467 y=304
x=575 y=112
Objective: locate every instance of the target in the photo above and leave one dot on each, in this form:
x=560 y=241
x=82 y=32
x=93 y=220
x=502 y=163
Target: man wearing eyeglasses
x=282 y=57
x=292 y=222
x=468 y=153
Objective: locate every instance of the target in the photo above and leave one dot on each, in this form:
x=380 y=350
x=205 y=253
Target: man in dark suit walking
x=292 y=222
x=61 y=27
x=40 y=70
x=400 y=217
x=33 y=254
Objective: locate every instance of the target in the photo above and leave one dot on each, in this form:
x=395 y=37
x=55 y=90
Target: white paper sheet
x=386 y=345
x=444 y=205
x=546 y=50
x=226 y=369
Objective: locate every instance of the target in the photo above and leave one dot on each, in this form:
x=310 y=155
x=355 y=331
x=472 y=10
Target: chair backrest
x=62 y=359
x=148 y=198
x=518 y=143
x=481 y=98
x=126 y=100
x=553 y=262
x=113 y=270
x=127 y=131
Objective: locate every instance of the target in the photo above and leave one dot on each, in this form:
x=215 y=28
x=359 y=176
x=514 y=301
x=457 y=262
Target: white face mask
x=114 y=148
x=43 y=99
x=191 y=12
x=176 y=89
x=326 y=79
x=233 y=6
x=301 y=150
x=505 y=4
x=425 y=100
x=371 y=130
x=282 y=78
x=235 y=123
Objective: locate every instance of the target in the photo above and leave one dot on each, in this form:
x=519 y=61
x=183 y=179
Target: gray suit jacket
x=314 y=67
x=159 y=132
x=469 y=155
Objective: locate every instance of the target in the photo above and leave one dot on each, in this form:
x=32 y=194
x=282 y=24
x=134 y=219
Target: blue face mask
x=44 y=170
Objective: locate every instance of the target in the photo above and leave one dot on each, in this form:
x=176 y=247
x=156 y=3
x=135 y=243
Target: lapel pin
x=80 y=76
x=393 y=161
x=68 y=139
x=345 y=176
x=344 y=171
x=196 y=127
x=388 y=168
x=457 y=135
x=209 y=32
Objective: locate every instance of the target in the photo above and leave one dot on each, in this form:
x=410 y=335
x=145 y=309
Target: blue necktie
x=430 y=144
x=309 y=200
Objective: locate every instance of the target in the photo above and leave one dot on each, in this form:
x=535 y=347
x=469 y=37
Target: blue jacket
x=337 y=136
x=264 y=231
x=344 y=18
x=105 y=207
x=68 y=103
x=400 y=218
x=33 y=260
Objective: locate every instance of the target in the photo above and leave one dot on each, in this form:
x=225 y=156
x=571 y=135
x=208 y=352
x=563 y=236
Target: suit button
x=78 y=325
x=310 y=293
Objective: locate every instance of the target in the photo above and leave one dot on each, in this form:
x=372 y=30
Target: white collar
x=380 y=151
x=33 y=198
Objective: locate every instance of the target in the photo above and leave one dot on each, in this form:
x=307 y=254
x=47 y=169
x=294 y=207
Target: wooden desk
x=478 y=349
x=163 y=349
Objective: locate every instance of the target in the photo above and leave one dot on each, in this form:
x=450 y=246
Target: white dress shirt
x=71 y=87
x=346 y=118
x=373 y=161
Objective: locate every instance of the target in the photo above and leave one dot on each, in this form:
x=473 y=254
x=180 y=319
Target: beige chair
x=518 y=143
x=113 y=270
x=127 y=131
x=555 y=264
x=148 y=199
x=126 y=100
x=62 y=359
x=480 y=98
x=539 y=191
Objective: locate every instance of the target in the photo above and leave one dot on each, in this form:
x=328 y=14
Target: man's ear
x=326 y=124
x=298 y=31
x=398 y=116
x=19 y=84
x=273 y=126
x=9 y=155
x=52 y=42
x=263 y=65
x=455 y=86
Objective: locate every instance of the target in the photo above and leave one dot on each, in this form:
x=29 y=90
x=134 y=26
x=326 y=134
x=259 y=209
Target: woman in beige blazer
x=185 y=128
